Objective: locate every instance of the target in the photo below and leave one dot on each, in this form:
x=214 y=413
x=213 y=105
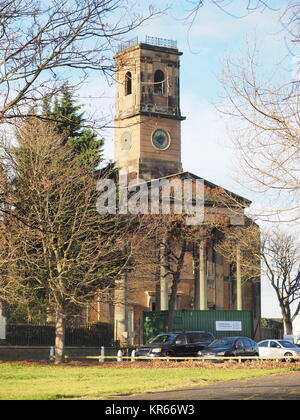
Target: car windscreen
x=163 y=339
x=224 y=342
x=287 y=344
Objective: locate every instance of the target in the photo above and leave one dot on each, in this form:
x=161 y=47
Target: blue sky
x=206 y=145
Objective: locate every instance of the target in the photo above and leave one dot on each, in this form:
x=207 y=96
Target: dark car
x=184 y=344
x=231 y=346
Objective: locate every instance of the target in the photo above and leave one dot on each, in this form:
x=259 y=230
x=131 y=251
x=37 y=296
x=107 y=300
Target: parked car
x=230 y=346
x=184 y=344
x=279 y=348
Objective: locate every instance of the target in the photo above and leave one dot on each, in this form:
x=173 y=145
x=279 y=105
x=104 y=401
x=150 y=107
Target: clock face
x=161 y=139
x=126 y=141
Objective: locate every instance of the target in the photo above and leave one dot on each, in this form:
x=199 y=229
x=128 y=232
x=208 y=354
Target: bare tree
x=45 y=43
x=281 y=256
x=264 y=114
x=55 y=246
x=277 y=255
x=195 y=6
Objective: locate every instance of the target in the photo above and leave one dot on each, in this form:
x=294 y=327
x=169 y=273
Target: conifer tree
x=70 y=123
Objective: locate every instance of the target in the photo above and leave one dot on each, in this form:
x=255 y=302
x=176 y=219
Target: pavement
x=274 y=387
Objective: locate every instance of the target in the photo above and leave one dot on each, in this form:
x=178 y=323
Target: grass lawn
x=47 y=382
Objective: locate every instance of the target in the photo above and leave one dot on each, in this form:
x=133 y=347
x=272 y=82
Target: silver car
x=278 y=348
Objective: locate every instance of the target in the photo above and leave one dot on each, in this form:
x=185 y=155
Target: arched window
x=159 y=82
x=128 y=83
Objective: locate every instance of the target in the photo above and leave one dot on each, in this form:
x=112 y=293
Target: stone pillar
x=202 y=276
x=164 y=289
x=239 y=293
x=2 y=324
x=196 y=277
x=121 y=310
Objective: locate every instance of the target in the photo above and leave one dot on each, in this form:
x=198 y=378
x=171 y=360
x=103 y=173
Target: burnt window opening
x=159 y=82
x=128 y=83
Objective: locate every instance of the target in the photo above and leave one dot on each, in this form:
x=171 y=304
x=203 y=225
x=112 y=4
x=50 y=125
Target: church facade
x=148 y=147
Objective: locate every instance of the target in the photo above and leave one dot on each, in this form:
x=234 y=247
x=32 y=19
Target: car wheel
x=168 y=354
x=288 y=357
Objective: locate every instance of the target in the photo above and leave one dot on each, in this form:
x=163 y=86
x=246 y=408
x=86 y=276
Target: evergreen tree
x=69 y=123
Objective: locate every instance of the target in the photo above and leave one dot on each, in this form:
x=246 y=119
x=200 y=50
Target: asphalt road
x=274 y=387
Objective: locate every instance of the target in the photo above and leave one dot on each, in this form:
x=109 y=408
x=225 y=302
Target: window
x=128 y=83
x=247 y=343
x=199 y=338
x=264 y=344
x=181 y=339
x=287 y=344
x=274 y=345
x=239 y=344
x=159 y=82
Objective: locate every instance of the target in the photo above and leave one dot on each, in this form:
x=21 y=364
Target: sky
x=206 y=143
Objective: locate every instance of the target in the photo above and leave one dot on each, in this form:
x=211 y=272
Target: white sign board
x=228 y=325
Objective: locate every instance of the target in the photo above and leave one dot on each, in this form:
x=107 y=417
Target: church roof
x=188 y=175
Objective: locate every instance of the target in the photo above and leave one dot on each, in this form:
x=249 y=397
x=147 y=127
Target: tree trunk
x=59 y=338
x=287 y=321
x=175 y=285
x=172 y=302
x=288 y=326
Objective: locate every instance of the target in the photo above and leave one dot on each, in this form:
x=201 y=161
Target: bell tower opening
x=148 y=117
x=159 y=81
x=128 y=83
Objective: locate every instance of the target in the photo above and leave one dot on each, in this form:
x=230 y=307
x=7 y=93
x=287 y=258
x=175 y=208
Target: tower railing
x=161 y=42
x=150 y=40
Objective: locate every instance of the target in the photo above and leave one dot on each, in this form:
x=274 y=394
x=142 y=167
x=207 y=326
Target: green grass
x=47 y=382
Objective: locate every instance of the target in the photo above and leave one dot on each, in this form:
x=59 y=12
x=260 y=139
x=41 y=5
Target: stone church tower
x=148 y=146
x=148 y=117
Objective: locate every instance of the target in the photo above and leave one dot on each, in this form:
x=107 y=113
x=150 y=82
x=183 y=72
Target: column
x=196 y=277
x=239 y=295
x=121 y=310
x=2 y=324
x=164 y=289
x=202 y=276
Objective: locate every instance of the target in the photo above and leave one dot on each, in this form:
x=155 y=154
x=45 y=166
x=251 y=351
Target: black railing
x=100 y=334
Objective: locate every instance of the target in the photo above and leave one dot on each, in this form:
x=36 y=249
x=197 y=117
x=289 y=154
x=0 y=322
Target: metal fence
x=95 y=335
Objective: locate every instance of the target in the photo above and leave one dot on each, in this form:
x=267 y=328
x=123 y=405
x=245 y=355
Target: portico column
x=121 y=310
x=2 y=324
x=202 y=276
x=239 y=294
x=164 y=289
x=196 y=277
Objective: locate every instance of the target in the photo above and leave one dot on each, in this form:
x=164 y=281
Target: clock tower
x=148 y=117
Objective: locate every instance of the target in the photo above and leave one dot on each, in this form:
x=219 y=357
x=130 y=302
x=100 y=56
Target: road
x=274 y=387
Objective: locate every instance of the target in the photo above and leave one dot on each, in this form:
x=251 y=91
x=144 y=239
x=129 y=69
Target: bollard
x=133 y=355
x=102 y=354
x=52 y=353
x=119 y=354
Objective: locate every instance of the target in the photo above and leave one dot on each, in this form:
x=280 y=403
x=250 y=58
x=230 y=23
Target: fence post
x=133 y=355
x=102 y=354
x=52 y=353
x=120 y=354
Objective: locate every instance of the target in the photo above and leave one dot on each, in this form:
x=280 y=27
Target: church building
x=148 y=146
